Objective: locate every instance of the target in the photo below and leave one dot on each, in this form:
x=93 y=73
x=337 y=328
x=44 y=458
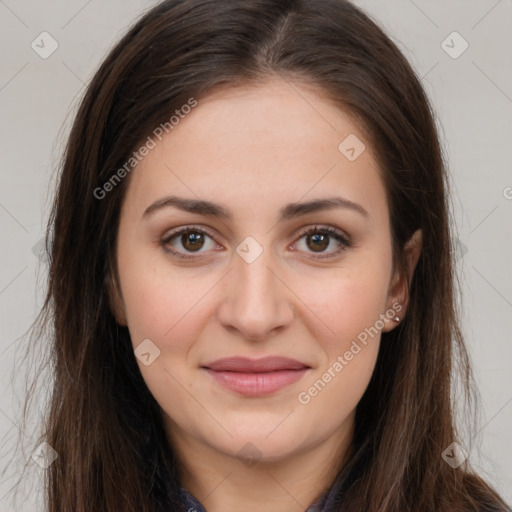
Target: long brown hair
x=106 y=427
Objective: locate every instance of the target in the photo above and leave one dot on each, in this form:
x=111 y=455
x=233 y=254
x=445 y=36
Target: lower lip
x=257 y=384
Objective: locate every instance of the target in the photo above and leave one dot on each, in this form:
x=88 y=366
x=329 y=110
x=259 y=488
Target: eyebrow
x=289 y=211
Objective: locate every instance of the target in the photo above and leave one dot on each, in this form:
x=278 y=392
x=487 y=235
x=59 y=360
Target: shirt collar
x=322 y=504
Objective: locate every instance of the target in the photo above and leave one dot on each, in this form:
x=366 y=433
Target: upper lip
x=245 y=364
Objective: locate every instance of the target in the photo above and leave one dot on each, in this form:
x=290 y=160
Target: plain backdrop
x=471 y=91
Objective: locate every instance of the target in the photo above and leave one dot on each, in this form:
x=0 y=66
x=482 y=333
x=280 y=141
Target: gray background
x=472 y=96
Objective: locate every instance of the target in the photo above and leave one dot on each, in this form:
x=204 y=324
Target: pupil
x=192 y=241
x=319 y=238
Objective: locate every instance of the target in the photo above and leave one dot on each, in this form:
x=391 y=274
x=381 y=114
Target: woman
x=251 y=282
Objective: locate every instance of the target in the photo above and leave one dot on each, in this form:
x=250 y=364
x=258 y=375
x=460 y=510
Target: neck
x=224 y=482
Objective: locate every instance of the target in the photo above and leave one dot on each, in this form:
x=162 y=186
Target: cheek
x=347 y=301
x=163 y=308
x=172 y=316
x=351 y=307
x=335 y=391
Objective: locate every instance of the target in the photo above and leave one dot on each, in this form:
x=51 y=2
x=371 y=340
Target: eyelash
x=328 y=230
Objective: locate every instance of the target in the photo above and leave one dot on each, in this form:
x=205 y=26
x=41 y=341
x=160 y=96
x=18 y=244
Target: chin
x=257 y=444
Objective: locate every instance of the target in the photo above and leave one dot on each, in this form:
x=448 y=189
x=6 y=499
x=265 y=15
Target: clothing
x=323 y=504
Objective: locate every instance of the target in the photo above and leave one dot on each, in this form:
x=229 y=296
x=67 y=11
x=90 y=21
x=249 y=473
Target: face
x=249 y=277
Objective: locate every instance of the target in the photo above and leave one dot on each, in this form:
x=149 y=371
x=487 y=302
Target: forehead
x=266 y=145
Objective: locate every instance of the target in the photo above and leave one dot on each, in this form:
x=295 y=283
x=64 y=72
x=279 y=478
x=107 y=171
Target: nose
x=256 y=303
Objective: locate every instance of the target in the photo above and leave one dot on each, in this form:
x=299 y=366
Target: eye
x=319 y=238
x=191 y=238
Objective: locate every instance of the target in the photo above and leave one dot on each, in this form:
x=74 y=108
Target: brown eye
x=186 y=241
x=192 y=241
x=319 y=239
x=319 y=242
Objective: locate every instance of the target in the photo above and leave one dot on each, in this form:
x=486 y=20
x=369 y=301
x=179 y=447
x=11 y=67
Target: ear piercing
x=395 y=318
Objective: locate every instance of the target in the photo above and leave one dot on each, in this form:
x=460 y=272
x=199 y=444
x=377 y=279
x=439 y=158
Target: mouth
x=256 y=377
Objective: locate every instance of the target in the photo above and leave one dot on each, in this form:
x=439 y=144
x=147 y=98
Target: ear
x=115 y=299
x=398 y=294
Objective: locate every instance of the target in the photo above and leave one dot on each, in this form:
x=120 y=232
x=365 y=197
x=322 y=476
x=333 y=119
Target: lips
x=255 y=377
x=247 y=365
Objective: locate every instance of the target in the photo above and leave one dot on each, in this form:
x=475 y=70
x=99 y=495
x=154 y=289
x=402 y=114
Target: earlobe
x=399 y=290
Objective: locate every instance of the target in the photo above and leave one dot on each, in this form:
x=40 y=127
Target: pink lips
x=256 y=377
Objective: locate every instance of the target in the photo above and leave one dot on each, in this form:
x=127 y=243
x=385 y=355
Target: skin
x=253 y=150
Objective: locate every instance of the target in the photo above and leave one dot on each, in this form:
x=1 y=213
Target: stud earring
x=396 y=319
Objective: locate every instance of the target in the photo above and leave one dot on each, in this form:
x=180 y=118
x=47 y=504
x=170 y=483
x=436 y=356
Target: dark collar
x=323 y=504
